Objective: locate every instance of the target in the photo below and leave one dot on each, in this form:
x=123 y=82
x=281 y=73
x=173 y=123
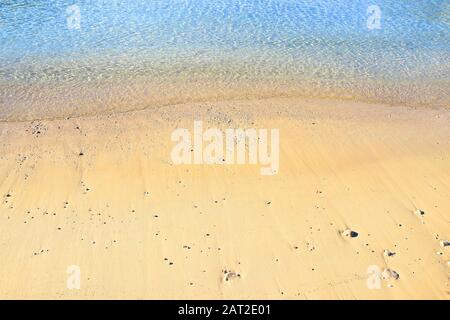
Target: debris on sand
x=390 y=274
x=419 y=213
x=310 y=246
x=230 y=275
x=388 y=253
x=349 y=233
x=444 y=243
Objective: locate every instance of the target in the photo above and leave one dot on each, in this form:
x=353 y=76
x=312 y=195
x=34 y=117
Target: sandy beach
x=360 y=207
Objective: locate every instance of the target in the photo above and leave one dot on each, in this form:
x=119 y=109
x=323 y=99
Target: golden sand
x=101 y=193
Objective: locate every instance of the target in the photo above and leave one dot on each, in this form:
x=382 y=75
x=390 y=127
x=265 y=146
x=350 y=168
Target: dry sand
x=101 y=193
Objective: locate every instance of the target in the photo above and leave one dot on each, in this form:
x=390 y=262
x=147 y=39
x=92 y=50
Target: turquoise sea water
x=68 y=58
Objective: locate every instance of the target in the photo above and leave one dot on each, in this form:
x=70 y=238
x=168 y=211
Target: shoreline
x=96 y=99
x=240 y=99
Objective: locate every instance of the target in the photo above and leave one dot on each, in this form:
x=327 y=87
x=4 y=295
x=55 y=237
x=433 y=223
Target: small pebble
x=388 y=253
x=390 y=274
x=444 y=243
x=349 y=233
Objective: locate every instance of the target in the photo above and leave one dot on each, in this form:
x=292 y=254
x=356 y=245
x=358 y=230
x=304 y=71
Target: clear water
x=135 y=54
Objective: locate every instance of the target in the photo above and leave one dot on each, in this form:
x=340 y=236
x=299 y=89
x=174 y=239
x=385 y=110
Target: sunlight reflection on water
x=133 y=54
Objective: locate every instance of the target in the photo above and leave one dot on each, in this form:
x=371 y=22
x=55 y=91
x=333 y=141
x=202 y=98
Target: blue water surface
x=294 y=46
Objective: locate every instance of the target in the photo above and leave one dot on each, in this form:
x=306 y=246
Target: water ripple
x=132 y=54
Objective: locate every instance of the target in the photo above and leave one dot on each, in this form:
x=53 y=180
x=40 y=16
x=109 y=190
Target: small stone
x=444 y=243
x=230 y=275
x=388 y=253
x=390 y=274
x=349 y=233
x=419 y=212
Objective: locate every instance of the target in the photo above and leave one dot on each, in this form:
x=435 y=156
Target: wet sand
x=361 y=187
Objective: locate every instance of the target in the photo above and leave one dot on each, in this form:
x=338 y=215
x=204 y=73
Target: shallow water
x=131 y=54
